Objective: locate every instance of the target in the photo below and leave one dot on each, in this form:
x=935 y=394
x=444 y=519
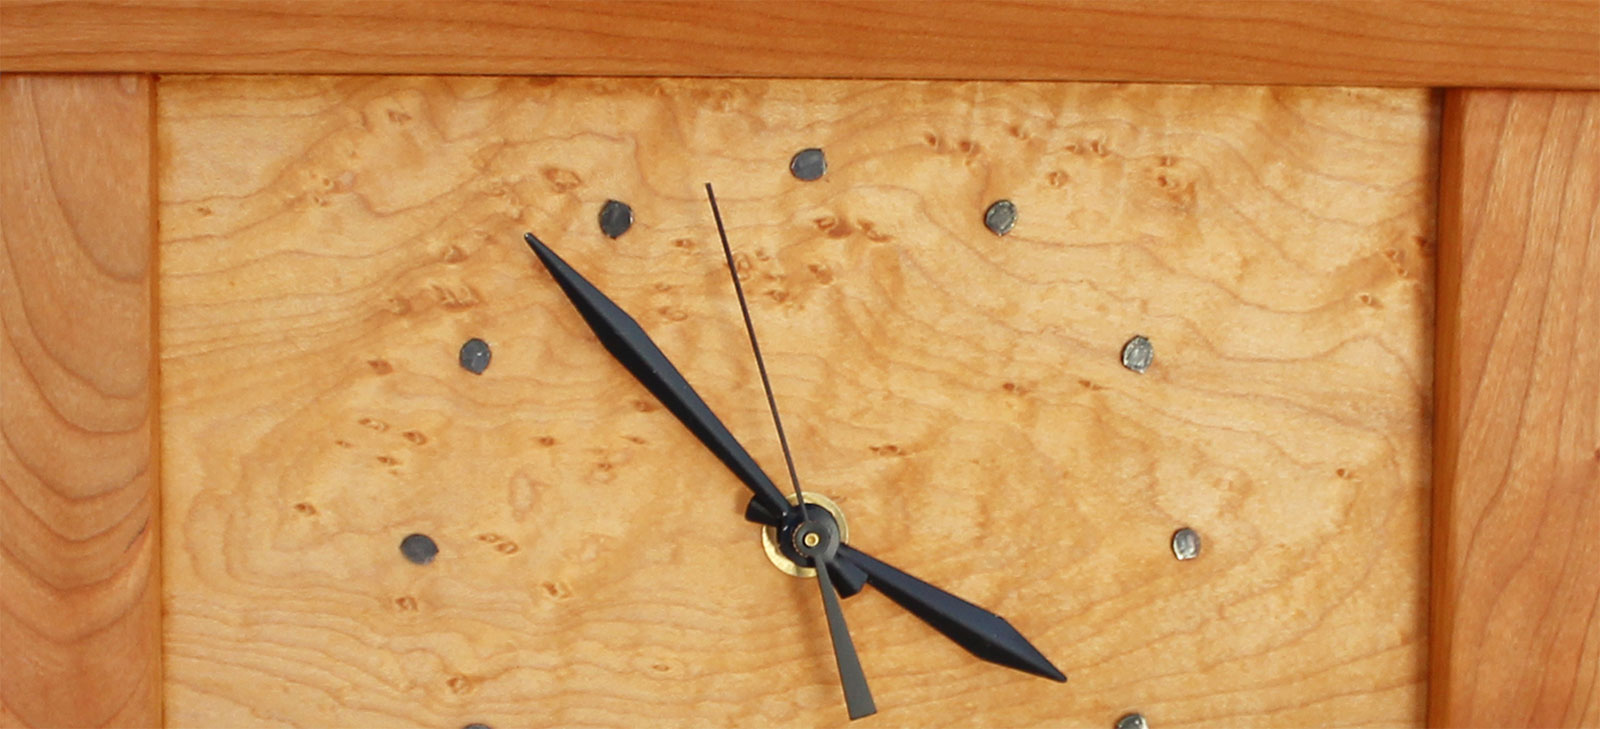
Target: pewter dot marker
x=1000 y=217
x=1185 y=544
x=615 y=218
x=1133 y=721
x=1138 y=354
x=419 y=548
x=808 y=164
x=475 y=356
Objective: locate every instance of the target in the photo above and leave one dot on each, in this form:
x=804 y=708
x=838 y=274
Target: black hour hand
x=626 y=341
x=982 y=633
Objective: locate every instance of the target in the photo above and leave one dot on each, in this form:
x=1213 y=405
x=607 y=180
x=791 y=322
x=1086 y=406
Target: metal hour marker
x=615 y=218
x=475 y=356
x=1185 y=544
x=1000 y=217
x=1138 y=354
x=419 y=548
x=1133 y=721
x=808 y=164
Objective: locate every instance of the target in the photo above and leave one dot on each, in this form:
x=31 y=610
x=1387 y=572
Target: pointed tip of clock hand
x=558 y=268
x=618 y=331
x=984 y=634
x=539 y=248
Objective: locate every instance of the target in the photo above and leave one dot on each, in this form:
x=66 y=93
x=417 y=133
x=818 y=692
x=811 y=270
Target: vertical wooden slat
x=80 y=587
x=1516 y=569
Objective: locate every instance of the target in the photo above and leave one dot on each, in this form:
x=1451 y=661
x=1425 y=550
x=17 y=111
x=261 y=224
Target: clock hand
x=626 y=341
x=982 y=633
x=761 y=364
x=857 y=695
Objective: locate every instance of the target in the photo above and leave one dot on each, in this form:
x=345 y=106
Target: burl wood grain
x=1517 y=587
x=329 y=243
x=80 y=611
x=1543 y=43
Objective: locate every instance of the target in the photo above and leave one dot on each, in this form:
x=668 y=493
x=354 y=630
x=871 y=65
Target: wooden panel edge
x=80 y=612
x=1555 y=43
x=1516 y=599
x=1447 y=296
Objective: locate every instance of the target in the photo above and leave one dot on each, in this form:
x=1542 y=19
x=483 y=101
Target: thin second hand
x=761 y=365
x=857 y=696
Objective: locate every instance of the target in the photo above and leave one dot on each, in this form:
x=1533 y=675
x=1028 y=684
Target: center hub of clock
x=817 y=531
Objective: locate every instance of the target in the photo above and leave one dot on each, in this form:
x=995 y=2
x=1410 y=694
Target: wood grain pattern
x=1516 y=588
x=329 y=243
x=80 y=611
x=1550 y=43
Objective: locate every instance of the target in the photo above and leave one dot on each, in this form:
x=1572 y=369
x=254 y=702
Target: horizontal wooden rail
x=1516 y=43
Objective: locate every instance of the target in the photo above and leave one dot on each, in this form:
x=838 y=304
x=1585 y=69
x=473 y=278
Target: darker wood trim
x=1515 y=636
x=80 y=486
x=1505 y=43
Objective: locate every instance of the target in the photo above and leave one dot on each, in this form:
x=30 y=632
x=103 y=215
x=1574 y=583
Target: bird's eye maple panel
x=328 y=244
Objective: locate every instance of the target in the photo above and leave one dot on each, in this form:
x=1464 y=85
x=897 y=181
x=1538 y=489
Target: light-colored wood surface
x=329 y=243
x=1516 y=586
x=80 y=611
x=1548 y=43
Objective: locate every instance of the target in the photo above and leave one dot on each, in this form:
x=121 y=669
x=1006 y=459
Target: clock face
x=329 y=247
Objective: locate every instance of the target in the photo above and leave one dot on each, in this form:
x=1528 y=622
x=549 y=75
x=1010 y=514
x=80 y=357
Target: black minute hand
x=626 y=341
x=982 y=633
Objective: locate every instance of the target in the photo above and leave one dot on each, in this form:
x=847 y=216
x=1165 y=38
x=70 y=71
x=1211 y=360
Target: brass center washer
x=769 y=536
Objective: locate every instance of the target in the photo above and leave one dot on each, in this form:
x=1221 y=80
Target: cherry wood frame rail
x=1515 y=638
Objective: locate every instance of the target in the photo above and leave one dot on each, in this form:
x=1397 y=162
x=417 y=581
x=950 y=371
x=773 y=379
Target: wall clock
x=330 y=244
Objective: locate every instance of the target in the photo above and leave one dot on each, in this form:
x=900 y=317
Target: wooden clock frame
x=1516 y=478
